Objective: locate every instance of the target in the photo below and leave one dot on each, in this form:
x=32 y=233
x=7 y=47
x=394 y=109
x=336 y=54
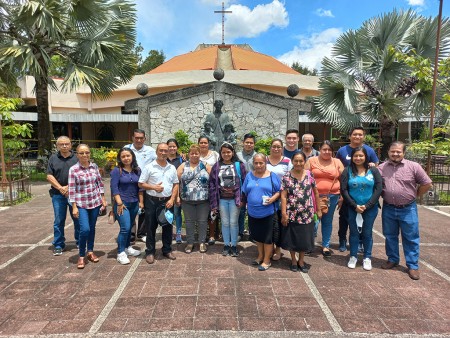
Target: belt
x=159 y=199
x=401 y=206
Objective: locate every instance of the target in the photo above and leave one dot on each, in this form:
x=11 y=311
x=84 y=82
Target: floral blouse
x=299 y=200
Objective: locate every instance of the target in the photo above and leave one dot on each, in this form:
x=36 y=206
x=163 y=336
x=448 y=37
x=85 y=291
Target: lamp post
x=435 y=74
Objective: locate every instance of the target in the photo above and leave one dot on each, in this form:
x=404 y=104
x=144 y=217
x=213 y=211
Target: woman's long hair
x=134 y=165
x=366 y=160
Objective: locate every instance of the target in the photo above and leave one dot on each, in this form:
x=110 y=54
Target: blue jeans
x=60 y=204
x=88 y=219
x=178 y=218
x=241 y=221
x=229 y=215
x=369 y=217
x=405 y=220
x=125 y=222
x=327 y=221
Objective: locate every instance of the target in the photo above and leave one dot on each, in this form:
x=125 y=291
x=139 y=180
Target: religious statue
x=218 y=128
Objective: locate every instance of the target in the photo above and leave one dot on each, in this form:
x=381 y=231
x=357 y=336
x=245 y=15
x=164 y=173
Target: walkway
x=209 y=295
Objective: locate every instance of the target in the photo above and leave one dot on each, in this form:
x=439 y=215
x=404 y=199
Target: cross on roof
x=223 y=11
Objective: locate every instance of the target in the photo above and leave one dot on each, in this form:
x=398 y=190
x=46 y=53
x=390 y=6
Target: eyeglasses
x=276 y=147
x=84 y=153
x=64 y=144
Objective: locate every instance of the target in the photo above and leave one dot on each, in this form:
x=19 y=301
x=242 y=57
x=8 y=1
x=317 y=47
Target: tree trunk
x=45 y=133
x=388 y=129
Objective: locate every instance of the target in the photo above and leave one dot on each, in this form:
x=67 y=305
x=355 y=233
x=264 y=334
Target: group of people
x=285 y=194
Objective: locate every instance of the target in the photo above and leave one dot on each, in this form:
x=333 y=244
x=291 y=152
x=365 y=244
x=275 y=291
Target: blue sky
x=289 y=30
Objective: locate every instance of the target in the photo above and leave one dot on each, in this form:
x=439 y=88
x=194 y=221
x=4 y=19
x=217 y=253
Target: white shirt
x=144 y=156
x=153 y=173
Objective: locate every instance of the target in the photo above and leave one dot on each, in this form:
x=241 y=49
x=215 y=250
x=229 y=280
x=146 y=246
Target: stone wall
x=267 y=114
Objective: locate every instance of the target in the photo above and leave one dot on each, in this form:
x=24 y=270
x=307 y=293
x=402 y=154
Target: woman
x=210 y=157
x=127 y=201
x=225 y=185
x=175 y=159
x=279 y=165
x=361 y=188
x=261 y=189
x=86 y=193
x=194 y=193
x=298 y=193
x=326 y=171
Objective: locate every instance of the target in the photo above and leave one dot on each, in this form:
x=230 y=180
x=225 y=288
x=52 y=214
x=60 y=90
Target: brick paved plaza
x=209 y=295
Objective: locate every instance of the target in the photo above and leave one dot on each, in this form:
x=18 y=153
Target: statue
x=218 y=128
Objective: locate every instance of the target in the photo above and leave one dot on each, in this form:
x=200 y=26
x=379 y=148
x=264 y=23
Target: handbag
x=275 y=218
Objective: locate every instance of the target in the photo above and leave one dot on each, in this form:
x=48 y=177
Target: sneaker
x=234 y=252
x=367 y=264
x=130 y=251
x=57 y=252
x=203 y=248
x=352 y=262
x=342 y=245
x=122 y=258
x=226 y=250
x=178 y=239
x=142 y=239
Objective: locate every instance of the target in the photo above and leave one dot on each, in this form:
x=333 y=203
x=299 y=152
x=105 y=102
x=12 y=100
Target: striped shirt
x=85 y=186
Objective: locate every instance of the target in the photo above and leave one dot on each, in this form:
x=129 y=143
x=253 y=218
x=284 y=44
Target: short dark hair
x=290 y=131
x=139 y=131
x=357 y=128
x=172 y=140
x=398 y=143
x=134 y=165
x=228 y=146
x=326 y=143
x=204 y=136
x=250 y=135
x=276 y=140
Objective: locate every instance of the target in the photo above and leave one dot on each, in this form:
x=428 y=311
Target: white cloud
x=324 y=12
x=311 y=49
x=246 y=22
x=416 y=2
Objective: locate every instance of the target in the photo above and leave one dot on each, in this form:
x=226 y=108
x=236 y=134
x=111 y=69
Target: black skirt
x=297 y=237
x=261 y=229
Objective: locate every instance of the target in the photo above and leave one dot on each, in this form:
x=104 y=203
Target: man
x=291 y=140
x=246 y=156
x=307 y=146
x=357 y=136
x=160 y=180
x=403 y=182
x=58 y=176
x=144 y=155
x=217 y=121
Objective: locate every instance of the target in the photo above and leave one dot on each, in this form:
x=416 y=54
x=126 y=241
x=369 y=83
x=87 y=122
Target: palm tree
x=363 y=81
x=94 y=37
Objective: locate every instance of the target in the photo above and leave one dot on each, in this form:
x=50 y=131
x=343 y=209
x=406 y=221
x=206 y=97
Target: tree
x=93 y=37
x=153 y=60
x=363 y=81
x=303 y=69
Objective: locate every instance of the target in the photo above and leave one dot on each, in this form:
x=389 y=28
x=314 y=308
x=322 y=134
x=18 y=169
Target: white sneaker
x=130 y=251
x=352 y=262
x=367 y=264
x=122 y=258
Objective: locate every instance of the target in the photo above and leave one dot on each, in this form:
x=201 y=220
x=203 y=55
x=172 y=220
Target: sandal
x=203 y=248
x=81 y=263
x=276 y=257
x=264 y=267
x=92 y=257
x=211 y=241
x=256 y=262
x=189 y=248
x=326 y=253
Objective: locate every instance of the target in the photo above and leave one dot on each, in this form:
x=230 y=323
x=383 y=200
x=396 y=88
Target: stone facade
x=186 y=109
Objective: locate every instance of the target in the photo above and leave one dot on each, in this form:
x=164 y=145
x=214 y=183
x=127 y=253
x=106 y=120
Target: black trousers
x=141 y=228
x=151 y=220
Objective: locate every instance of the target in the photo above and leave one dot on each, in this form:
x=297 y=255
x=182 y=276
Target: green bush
x=183 y=141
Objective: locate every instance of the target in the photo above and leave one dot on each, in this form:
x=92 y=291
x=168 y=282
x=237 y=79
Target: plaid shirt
x=85 y=186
